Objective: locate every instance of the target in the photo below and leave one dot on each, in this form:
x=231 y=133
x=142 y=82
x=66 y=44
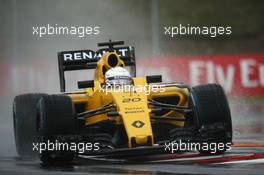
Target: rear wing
x=87 y=59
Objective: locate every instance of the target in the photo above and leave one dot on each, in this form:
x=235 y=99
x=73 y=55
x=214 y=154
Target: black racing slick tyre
x=56 y=115
x=212 y=115
x=25 y=119
x=57 y=122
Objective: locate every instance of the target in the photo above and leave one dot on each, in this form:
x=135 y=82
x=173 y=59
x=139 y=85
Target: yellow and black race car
x=114 y=116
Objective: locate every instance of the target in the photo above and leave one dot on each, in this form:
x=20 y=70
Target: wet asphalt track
x=240 y=160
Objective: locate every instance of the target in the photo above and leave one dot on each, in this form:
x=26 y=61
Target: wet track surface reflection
x=238 y=161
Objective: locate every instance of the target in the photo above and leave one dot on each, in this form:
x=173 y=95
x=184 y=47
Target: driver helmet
x=117 y=76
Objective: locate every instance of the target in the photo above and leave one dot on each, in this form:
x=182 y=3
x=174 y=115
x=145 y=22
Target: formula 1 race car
x=116 y=114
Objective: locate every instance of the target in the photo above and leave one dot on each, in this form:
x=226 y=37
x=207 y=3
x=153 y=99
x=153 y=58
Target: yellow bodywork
x=131 y=105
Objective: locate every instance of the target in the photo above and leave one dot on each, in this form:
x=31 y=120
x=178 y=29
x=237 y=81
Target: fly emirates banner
x=241 y=75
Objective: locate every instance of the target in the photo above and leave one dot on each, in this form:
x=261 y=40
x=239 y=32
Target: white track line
x=194 y=158
x=252 y=161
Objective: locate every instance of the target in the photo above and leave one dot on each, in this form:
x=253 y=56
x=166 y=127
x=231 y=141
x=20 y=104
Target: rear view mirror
x=86 y=84
x=154 y=79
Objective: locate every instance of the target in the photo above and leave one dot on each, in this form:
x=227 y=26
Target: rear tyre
x=57 y=120
x=212 y=116
x=25 y=120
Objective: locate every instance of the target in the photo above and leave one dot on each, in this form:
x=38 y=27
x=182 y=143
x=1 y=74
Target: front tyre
x=211 y=116
x=25 y=120
x=57 y=119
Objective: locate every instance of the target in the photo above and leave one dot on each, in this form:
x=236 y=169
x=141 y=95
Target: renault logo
x=138 y=124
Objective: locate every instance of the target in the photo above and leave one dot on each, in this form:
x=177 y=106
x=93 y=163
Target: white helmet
x=117 y=75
